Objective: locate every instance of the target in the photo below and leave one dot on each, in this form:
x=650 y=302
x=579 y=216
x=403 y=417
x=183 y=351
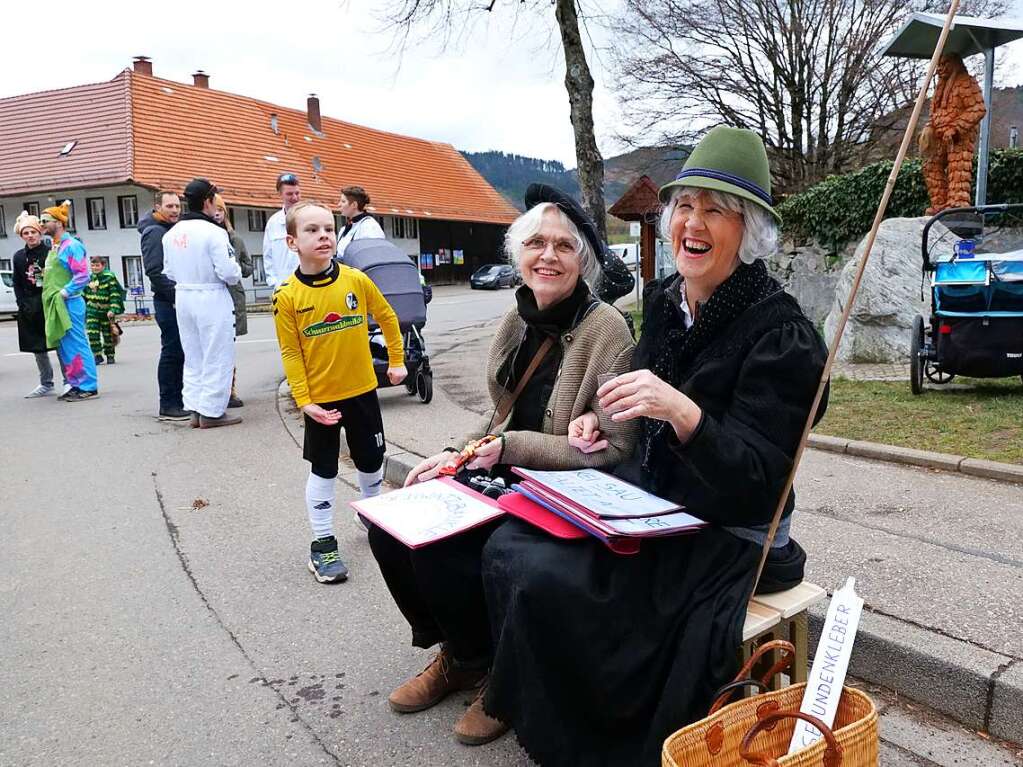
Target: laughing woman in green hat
x=599 y=657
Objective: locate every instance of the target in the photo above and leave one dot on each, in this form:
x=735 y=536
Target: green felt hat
x=730 y=160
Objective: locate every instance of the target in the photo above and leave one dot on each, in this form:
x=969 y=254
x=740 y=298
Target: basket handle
x=722 y=696
x=832 y=753
x=788 y=655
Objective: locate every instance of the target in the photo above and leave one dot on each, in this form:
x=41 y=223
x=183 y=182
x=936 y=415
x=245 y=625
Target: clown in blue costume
x=65 y=276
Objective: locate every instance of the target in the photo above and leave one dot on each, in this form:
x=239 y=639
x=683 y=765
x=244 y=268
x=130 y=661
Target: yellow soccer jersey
x=322 y=330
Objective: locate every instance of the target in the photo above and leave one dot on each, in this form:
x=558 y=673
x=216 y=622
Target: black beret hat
x=538 y=193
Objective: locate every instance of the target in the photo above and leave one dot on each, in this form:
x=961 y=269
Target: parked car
x=8 y=305
x=494 y=276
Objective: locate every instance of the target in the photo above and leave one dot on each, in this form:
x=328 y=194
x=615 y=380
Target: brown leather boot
x=476 y=727
x=206 y=422
x=433 y=684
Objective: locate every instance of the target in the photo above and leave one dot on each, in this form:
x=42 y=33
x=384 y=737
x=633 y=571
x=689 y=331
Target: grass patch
x=984 y=420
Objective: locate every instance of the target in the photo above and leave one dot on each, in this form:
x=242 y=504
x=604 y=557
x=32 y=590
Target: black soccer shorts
x=364 y=433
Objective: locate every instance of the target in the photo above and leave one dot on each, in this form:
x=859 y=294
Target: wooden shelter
x=640 y=203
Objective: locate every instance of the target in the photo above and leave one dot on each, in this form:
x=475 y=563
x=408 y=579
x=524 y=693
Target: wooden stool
x=781 y=616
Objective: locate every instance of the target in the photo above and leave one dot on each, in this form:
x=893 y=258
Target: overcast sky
x=500 y=87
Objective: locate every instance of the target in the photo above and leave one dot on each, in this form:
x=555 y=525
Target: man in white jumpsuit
x=280 y=261
x=197 y=256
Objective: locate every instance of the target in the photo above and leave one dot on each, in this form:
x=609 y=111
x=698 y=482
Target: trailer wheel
x=916 y=364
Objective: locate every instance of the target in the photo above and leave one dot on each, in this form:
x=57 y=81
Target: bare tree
x=807 y=75
x=441 y=19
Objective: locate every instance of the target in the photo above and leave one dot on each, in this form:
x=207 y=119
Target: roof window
x=66 y=150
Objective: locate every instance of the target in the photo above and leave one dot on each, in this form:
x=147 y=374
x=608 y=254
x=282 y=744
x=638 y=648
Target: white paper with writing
x=426 y=512
x=600 y=493
x=830 y=664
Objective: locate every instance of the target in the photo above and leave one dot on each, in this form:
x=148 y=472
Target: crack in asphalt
x=935 y=630
x=829 y=513
x=173 y=534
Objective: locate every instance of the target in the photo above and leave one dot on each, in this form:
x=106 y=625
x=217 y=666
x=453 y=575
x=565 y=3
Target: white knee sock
x=370 y=482
x=320 y=493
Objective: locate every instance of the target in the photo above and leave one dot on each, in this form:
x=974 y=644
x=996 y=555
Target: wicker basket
x=757 y=731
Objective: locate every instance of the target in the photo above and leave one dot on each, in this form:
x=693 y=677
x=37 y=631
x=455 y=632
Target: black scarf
x=198 y=215
x=528 y=412
x=554 y=319
x=669 y=349
x=352 y=222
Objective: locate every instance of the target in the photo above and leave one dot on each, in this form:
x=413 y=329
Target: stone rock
x=810 y=272
x=881 y=321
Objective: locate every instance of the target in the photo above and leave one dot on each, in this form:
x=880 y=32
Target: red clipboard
x=519 y=506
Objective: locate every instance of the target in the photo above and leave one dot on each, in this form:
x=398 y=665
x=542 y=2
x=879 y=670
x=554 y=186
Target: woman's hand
x=430 y=467
x=584 y=435
x=318 y=414
x=487 y=456
x=397 y=375
x=642 y=394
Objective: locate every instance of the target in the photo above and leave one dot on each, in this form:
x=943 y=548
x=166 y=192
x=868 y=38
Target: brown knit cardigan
x=599 y=344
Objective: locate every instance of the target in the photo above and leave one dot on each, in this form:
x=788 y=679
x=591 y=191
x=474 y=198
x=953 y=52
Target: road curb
x=975 y=686
x=975 y=467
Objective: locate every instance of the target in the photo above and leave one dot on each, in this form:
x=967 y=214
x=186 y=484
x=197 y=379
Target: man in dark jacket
x=28 y=292
x=166 y=211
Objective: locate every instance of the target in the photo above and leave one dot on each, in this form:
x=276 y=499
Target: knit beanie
x=60 y=213
x=26 y=220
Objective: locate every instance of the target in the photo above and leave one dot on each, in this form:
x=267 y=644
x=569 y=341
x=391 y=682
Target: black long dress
x=599 y=657
x=28 y=266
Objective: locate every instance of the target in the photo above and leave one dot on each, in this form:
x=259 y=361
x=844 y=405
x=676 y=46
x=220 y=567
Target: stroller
x=398 y=279
x=976 y=323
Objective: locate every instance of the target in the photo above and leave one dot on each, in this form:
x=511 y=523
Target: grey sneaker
x=40 y=391
x=325 y=563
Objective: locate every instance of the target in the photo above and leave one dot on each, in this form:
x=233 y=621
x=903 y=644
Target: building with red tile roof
x=108 y=146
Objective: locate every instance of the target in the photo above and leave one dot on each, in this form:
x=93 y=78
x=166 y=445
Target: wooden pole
x=878 y=217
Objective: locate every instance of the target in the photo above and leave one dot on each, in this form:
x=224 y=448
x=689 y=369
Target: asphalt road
x=156 y=606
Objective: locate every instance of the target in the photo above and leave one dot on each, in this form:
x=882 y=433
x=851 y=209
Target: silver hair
x=760 y=230
x=529 y=223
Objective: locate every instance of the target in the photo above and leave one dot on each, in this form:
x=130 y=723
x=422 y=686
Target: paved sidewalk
x=888 y=371
x=928 y=634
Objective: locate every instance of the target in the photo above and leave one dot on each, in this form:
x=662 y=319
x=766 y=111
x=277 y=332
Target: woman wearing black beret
x=550 y=348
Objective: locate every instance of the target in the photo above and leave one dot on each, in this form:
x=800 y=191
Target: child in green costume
x=104 y=300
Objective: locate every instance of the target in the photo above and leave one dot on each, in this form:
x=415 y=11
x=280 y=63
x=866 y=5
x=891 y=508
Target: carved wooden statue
x=948 y=140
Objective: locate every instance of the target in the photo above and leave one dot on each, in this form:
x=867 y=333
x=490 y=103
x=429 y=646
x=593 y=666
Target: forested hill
x=510 y=174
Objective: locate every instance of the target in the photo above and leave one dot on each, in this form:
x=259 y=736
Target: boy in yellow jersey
x=321 y=314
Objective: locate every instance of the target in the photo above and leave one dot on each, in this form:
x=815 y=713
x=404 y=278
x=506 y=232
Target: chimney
x=275 y=124
x=142 y=65
x=200 y=79
x=312 y=106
